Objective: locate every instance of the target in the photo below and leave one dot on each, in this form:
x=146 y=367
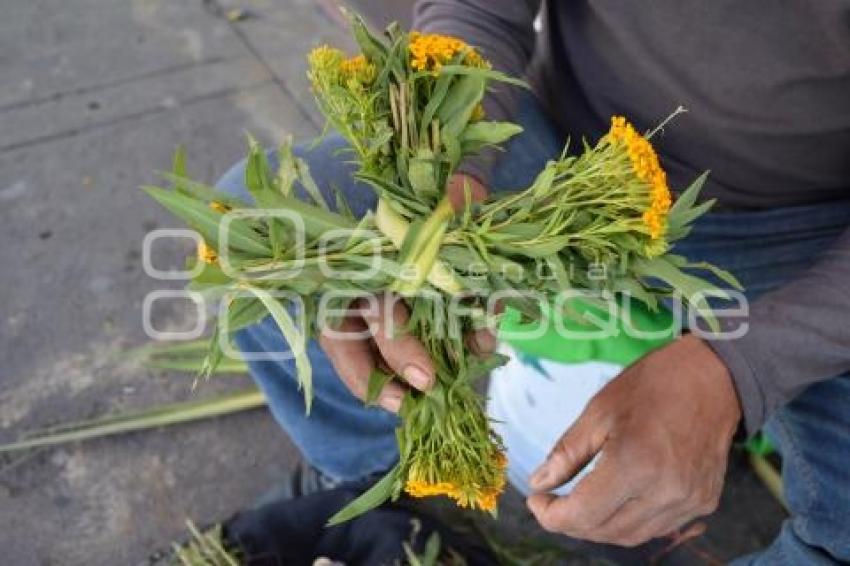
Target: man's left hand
x=663 y=427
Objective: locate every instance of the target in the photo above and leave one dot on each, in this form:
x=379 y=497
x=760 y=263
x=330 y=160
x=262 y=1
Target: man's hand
x=372 y=335
x=664 y=427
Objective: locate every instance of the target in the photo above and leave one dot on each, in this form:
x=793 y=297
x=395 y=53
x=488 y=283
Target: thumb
x=456 y=191
x=582 y=441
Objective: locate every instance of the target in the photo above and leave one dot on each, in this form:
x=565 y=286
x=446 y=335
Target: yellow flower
x=477 y=493
x=430 y=51
x=359 y=70
x=478 y=113
x=219 y=206
x=325 y=64
x=206 y=254
x=325 y=57
x=647 y=168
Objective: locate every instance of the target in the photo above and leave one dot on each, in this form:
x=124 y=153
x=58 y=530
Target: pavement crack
x=19 y=104
x=73 y=132
x=217 y=10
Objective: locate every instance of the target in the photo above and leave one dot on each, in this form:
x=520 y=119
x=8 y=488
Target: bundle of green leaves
x=410 y=107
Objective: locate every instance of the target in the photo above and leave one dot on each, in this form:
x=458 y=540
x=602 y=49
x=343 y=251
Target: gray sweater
x=767 y=84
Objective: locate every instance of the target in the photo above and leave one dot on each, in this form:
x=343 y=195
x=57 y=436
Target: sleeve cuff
x=749 y=390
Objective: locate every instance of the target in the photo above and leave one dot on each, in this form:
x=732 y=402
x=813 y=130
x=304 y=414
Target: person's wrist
x=716 y=375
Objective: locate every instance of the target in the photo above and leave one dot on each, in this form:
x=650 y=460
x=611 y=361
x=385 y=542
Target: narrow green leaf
x=689 y=196
x=490 y=133
x=152 y=418
x=367 y=501
x=206 y=221
x=372 y=47
x=309 y=184
x=200 y=191
x=377 y=380
x=297 y=342
x=243 y=312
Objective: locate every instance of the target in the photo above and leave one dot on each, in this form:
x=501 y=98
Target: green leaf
x=422 y=174
x=309 y=184
x=206 y=221
x=203 y=192
x=721 y=274
x=377 y=380
x=434 y=102
x=479 y=367
x=684 y=211
x=214 y=355
x=211 y=275
x=286 y=171
x=460 y=101
x=373 y=48
x=152 y=418
x=260 y=183
x=432 y=550
x=693 y=290
x=689 y=197
x=178 y=166
x=297 y=342
x=489 y=133
x=243 y=312
x=488 y=74
x=373 y=497
x=257 y=171
x=317 y=221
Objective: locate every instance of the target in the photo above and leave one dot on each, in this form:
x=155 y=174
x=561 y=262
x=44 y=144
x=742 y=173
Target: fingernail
x=390 y=402
x=539 y=478
x=417 y=377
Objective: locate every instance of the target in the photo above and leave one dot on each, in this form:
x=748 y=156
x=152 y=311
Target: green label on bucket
x=619 y=333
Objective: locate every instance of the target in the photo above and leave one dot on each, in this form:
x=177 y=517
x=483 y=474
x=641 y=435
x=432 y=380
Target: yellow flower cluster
x=648 y=169
x=206 y=254
x=358 y=69
x=325 y=58
x=475 y=496
x=430 y=51
x=330 y=64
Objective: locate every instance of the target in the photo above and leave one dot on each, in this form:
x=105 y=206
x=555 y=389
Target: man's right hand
x=372 y=336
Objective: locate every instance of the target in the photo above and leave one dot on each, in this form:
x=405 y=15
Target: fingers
x=571 y=453
x=354 y=360
x=640 y=521
x=456 y=191
x=637 y=521
x=482 y=342
x=596 y=498
x=403 y=354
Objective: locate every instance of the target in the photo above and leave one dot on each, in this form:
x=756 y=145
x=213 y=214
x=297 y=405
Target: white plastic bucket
x=533 y=401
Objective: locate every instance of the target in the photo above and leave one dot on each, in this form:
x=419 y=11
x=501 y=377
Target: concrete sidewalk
x=95 y=96
x=94 y=99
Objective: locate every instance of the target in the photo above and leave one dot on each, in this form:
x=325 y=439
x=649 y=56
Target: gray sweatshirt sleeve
x=503 y=31
x=798 y=335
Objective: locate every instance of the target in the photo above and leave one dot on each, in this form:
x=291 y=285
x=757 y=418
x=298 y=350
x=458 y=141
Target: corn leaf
x=206 y=221
x=152 y=418
x=370 y=499
x=296 y=339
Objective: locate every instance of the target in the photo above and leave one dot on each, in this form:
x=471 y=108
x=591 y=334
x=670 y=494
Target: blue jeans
x=346 y=440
